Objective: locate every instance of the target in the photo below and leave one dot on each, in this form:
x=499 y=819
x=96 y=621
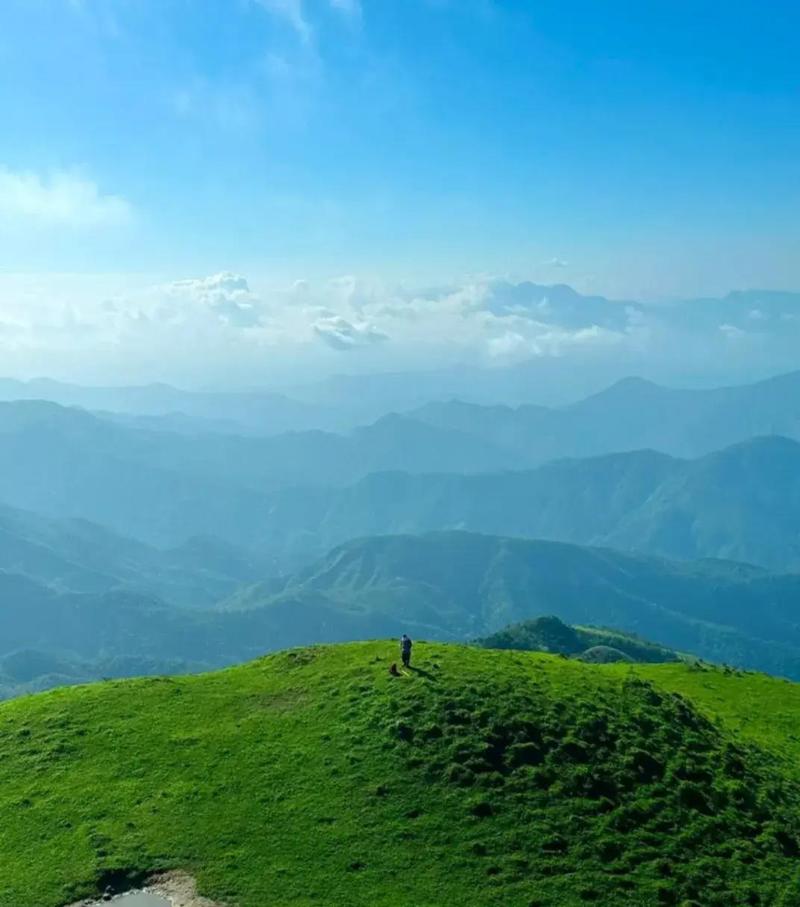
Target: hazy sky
x=638 y=150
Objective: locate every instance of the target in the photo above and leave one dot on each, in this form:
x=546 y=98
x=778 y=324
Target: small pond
x=166 y=889
x=138 y=899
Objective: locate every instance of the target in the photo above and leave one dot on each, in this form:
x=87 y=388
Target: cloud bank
x=60 y=199
x=219 y=329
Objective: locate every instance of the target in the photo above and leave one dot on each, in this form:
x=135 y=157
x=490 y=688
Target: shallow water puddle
x=166 y=889
x=139 y=899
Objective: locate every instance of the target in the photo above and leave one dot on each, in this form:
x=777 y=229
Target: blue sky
x=647 y=150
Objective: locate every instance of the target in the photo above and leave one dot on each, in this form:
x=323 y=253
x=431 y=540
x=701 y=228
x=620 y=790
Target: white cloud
x=220 y=328
x=230 y=107
x=99 y=15
x=291 y=12
x=510 y=347
x=227 y=295
x=348 y=7
x=60 y=199
x=342 y=334
x=732 y=332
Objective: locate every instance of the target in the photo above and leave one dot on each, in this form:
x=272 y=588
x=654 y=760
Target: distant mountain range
x=74 y=555
x=665 y=342
x=151 y=543
x=163 y=487
x=741 y=503
x=446 y=586
x=633 y=414
x=459 y=585
x=292 y=496
x=162 y=407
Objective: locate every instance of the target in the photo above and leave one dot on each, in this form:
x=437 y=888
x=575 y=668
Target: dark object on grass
x=393 y=670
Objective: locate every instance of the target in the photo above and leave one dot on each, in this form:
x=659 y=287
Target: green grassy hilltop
x=313 y=777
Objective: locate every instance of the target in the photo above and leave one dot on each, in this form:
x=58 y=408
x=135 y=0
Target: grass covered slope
x=462 y=585
x=549 y=634
x=482 y=777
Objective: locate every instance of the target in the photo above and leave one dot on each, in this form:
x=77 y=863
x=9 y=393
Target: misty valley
x=600 y=600
x=132 y=551
x=399 y=453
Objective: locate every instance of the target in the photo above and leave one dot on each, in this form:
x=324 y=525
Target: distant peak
x=634 y=381
x=766 y=295
x=762 y=453
x=630 y=389
x=765 y=443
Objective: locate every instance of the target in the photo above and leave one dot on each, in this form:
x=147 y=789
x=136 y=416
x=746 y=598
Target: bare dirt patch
x=178 y=888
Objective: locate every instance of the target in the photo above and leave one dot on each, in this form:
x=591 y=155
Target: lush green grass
x=483 y=777
x=450 y=586
x=457 y=585
x=595 y=644
x=757 y=708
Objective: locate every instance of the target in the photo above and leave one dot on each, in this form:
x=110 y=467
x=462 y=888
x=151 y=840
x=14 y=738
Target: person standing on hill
x=405 y=650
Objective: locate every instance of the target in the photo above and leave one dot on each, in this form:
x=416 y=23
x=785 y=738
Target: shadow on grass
x=423 y=673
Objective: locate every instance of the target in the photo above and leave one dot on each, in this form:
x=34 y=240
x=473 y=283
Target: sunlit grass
x=481 y=777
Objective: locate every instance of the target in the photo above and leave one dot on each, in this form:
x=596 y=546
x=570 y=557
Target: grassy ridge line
x=313 y=777
x=549 y=634
x=760 y=709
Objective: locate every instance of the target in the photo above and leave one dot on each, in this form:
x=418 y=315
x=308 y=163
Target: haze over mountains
x=683 y=421
x=174 y=540
x=346 y=352
x=288 y=498
x=740 y=503
x=633 y=414
x=492 y=341
x=642 y=524
x=74 y=555
x=324 y=322
x=160 y=406
x=457 y=585
x=452 y=586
